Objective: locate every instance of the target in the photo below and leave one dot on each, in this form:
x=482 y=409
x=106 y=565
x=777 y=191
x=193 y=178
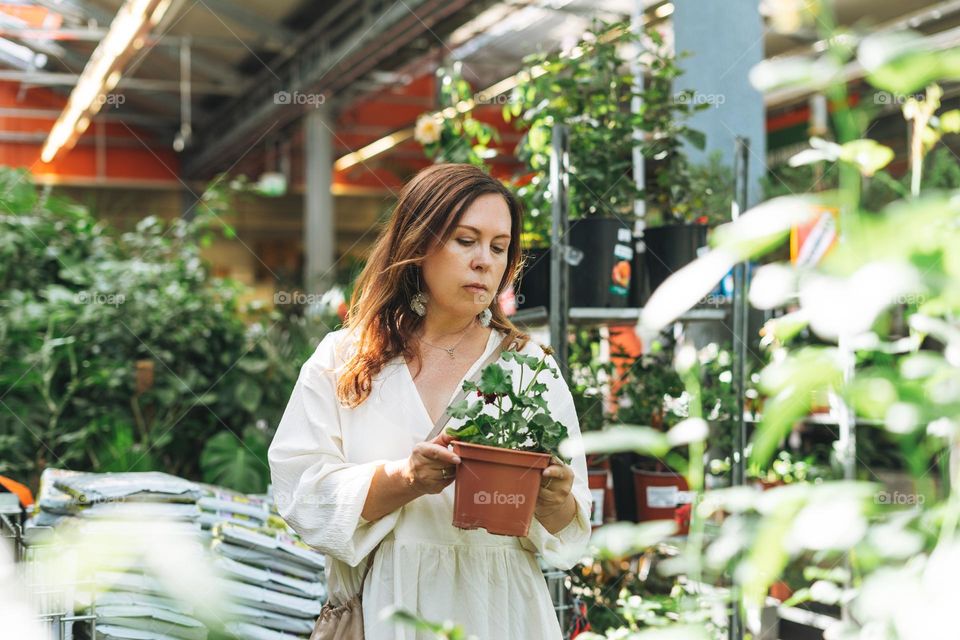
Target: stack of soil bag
x=272 y=584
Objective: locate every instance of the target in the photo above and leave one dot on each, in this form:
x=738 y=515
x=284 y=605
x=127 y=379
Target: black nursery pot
x=624 y=489
x=603 y=277
x=639 y=289
x=533 y=289
x=669 y=248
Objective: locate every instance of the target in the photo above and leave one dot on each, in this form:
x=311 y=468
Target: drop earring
x=484 y=317
x=418 y=303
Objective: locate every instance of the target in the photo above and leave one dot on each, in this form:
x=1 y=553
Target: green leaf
x=248 y=394
x=950 y=121
x=466 y=431
x=494 y=379
x=792 y=384
x=869 y=156
x=903 y=62
x=238 y=465
x=794 y=72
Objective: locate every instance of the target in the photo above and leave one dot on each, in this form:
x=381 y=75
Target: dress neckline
x=491 y=343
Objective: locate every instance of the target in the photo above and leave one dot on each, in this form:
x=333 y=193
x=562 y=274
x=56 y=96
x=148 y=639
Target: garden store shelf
x=821 y=419
x=538 y=316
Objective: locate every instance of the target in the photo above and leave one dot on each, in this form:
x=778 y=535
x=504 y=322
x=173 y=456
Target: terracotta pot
x=658 y=493
x=496 y=489
x=144 y=375
x=598 y=464
x=766 y=485
x=781 y=591
x=597 y=480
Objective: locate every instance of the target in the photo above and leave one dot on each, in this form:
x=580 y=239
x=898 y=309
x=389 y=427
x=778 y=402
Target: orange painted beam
x=137 y=162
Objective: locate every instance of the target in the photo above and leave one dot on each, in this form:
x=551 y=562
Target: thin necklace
x=449 y=350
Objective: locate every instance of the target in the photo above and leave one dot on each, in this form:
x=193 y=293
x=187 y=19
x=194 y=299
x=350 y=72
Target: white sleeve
x=566 y=547
x=317 y=491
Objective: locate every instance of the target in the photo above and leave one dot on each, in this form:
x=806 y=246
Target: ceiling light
x=102 y=72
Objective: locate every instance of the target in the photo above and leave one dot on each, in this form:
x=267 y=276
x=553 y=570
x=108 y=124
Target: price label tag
x=662 y=497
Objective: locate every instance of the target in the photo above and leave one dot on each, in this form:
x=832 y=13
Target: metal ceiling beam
x=75 y=62
x=208 y=66
x=95 y=34
x=27 y=113
x=235 y=12
x=377 y=30
x=48 y=78
x=38 y=137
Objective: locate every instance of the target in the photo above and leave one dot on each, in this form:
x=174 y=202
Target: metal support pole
x=639 y=204
x=741 y=310
x=740 y=329
x=559 y=269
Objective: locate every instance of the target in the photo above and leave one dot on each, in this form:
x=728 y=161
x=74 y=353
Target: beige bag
x=345 y=622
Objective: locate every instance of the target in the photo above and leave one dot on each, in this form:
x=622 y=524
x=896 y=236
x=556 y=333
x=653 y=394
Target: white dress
x=322 y=460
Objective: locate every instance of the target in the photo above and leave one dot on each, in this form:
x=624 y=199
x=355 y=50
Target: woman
x=348 y=463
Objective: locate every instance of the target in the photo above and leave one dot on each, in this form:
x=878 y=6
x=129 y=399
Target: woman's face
x=475 y=254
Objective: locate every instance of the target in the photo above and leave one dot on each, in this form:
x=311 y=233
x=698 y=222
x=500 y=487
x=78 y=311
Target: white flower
x=427 y=130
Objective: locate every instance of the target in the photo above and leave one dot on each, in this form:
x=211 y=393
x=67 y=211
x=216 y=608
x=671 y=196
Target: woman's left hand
x=555 y=486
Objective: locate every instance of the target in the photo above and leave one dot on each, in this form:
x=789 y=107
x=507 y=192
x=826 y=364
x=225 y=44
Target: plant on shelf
x=647 y=388
x=588 y=378
x=886 y=558
x=784 y=470
x=452 y=134
x=589 y=89
x=663 y=117
x=682 y=198
x=709 y=194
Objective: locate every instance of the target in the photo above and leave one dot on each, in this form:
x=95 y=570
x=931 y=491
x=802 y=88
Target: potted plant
x=507 y=439
x=452 y=135
x=682 y=199
x=642 y=400
x=590 y=93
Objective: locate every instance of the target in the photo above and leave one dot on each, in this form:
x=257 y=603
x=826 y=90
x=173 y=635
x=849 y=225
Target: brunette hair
x=379 y=317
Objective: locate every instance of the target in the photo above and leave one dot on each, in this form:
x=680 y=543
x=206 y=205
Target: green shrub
x=81 y=306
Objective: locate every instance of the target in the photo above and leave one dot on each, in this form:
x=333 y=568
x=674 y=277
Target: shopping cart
x=40 y=571
x=560 y=594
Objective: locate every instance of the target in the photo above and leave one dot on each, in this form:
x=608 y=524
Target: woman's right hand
x=429 y=461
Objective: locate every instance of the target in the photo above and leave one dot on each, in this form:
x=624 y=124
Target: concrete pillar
x=725 y=40
x=318 y=227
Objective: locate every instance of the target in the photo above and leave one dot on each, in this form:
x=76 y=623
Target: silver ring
x=443 y=473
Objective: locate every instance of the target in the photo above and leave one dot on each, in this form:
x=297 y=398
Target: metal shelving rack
x=559 y=316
